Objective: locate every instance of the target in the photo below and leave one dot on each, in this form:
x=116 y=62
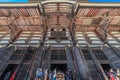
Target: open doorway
x=106 y=67
x=10 y=68
x=59 y=67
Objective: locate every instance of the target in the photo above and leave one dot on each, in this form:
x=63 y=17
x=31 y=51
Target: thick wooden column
x=110 y=54
x=5 y=55
x=37 y=60
x=48 y=58
x=81 y=63
x=117 y=50
x=70 y=63
x=100 y=70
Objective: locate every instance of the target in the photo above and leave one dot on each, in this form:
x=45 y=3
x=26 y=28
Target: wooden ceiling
x=31 y=16
x=89 y=18
x=49 y=14
x=24 y=17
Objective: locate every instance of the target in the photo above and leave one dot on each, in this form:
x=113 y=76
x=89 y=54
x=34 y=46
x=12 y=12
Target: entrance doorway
x=10 y=68
x=106 y=67
x=59 y=67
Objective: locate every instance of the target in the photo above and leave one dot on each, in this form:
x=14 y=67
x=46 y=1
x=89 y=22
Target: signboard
x=8 y=1
x=105 y=1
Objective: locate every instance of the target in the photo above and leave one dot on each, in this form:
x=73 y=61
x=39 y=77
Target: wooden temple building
x=64 y=34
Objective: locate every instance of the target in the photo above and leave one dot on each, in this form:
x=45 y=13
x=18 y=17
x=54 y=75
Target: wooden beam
x=14 y=30
x=99 y=5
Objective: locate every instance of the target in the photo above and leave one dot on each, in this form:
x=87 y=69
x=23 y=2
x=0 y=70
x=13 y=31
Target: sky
x=89 y=0
x=13 y=0
x=104 y=1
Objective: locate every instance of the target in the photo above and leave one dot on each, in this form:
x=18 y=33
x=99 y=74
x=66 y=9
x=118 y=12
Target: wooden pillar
x=112 y=57
x=70 y=62
x=48 y=57
x=102 y=73
x=36 y=62
x=81 y=63
x=5 y=55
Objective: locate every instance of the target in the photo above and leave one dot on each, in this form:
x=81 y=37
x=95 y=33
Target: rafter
x=14 y=30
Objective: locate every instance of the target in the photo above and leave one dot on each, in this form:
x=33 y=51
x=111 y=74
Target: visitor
x=106 y=72
x=13 y=76
x=46 y=74
x=66 y=75
x=50 y=75
x=118 y=73
x=7 y=76
x=39 y=74
x=112 y=75
x=54 y=75
x=70 y=74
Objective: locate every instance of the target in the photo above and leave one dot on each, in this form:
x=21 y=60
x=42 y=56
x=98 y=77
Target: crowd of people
x=49 y=75
x=113 y=75
x=45 y=74
x=68 y=75
x=10 y=76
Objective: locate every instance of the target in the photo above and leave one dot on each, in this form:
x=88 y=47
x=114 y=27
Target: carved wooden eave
x=46 y=15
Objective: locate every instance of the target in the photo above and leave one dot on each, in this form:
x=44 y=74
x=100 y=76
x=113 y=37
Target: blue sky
x=104 y=0
x=89 y=0
x=13 y=0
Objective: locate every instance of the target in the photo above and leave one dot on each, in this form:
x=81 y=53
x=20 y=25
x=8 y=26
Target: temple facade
x=66 y=35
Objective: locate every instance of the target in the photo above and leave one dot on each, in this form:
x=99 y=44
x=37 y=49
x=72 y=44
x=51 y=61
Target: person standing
x=70 y=75
x=46 y=74
x=39 y=74
x=7 y=76
x=112 y=75
x=50 y=75
x=54 y=74
x=118 y=73
x=67 y=75
x=13 y=76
